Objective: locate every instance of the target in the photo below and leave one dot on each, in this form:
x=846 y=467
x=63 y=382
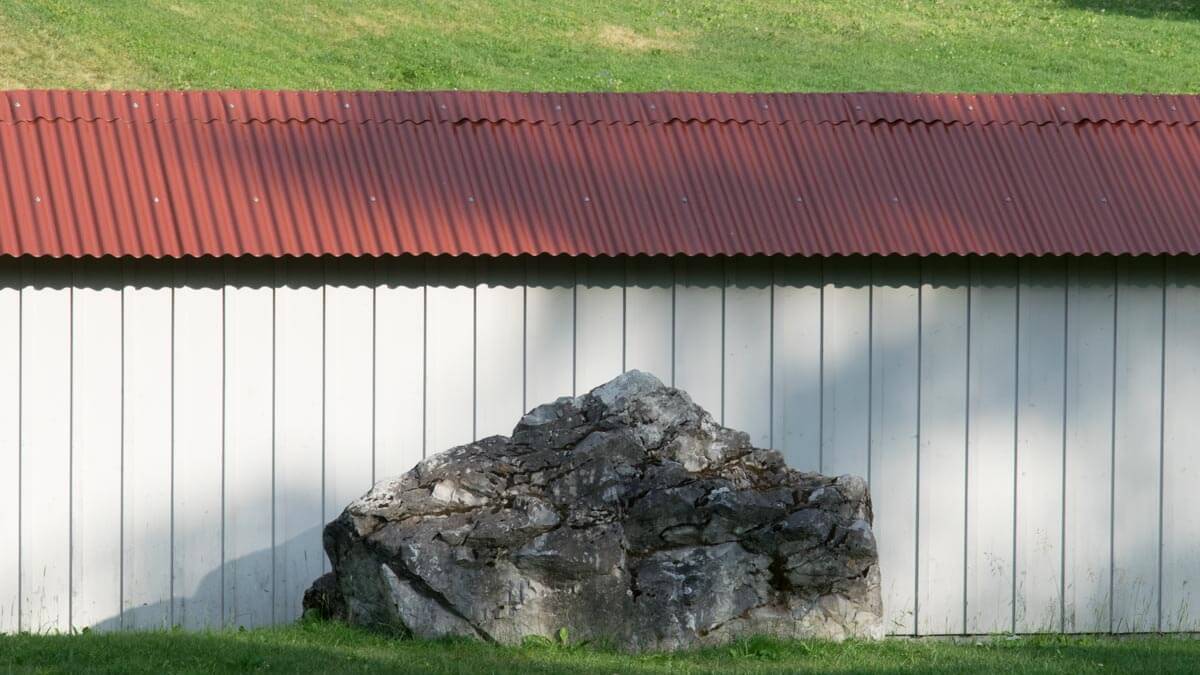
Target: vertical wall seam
x=475 y=354
x=21 y=450
x=424 y=363
x=224 y=423
x=675 y=319
x=771 y=360
x=324 y=399
x=1162 y=442
x=374 y=369
x=575 y=328
x=121 y=561
x=870 y=365
x=71 y=458
x=967 y=444
x=171 y=544
x=275 y=444
x=1016 y=461
x=1112 y=469
x=525 y=340
x=1062 y=544
x=917 y=501
x=624 y=314
x=725 y=263
x=821 y=372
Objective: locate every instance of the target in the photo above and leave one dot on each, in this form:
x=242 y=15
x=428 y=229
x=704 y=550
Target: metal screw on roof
x=37 y=200
x=372 y=198
x=895 y=199
x=1008 y=199
x=652 y=106
x=471 y=200
x=1062 y=108
x=558 y=107
x=1104 y=200
x=135 y=104
x=230 y=105
x=256 y=200
x=17 y=104
x=685 y=200
x=1172 y=108
x=799 y=200
x=156 y=200
x=587 y=198
x=442 y=106
x=346 y=105
x=858 y=107
x=970 y=107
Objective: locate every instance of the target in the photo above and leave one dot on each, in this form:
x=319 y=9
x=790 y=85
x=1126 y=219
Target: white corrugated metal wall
x=173 y=434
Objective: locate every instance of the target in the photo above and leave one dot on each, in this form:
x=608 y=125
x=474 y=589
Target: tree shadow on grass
x=1174 y=10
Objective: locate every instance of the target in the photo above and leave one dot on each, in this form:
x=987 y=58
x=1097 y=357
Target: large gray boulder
x=626 y=516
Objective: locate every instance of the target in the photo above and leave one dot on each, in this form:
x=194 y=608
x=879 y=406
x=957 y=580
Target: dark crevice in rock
x=420 y=586
x=779 y=577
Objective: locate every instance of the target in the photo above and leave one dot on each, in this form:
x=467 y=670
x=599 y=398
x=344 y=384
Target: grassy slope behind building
x=615 y=45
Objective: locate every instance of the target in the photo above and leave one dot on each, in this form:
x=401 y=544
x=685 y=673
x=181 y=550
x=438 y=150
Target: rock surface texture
x=626 y=516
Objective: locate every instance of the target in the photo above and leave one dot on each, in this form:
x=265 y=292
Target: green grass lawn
x=331 y=648
x=617 y=45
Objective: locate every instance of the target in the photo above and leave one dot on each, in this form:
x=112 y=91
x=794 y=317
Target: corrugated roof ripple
x=169 y=174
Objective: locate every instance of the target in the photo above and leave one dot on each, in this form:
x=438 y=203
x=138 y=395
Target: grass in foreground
x=332 y=648
x=615 y=45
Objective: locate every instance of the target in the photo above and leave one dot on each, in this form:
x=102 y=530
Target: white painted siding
x=1041 y=374
x=991 y=445
x=148 y=454
x=173 y=435
x=45 y=425
x=942 y=454
x=249 y=442
x=895 y=372
x=199 y=404
x=300 y=430
x=96 y=447
x=10 y=445
x=1091 y=344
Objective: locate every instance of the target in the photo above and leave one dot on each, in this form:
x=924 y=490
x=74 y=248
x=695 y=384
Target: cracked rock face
x=627 y=516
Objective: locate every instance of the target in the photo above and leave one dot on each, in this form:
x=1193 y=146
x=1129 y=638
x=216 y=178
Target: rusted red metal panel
x=170 y=174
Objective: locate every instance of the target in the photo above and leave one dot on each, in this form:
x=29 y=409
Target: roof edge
x=550 y=107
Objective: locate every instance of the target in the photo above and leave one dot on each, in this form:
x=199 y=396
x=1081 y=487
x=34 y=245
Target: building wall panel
x=895 y=373
x=1137 y=446
x=96 y=446
x=500 y=324
x=45 y=425
x=796 y=362
x=746 y=366
x=199 y=439
x=148 y=454
x=991 y=445
x=10 y=445
x=192 y=425
x=1088 y=505
x=1181 y=449
x=1041 y=377
x=942 y=430
x=249 y=443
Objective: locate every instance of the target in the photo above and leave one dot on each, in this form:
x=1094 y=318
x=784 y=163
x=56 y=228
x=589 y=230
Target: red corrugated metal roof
x=302 y=173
